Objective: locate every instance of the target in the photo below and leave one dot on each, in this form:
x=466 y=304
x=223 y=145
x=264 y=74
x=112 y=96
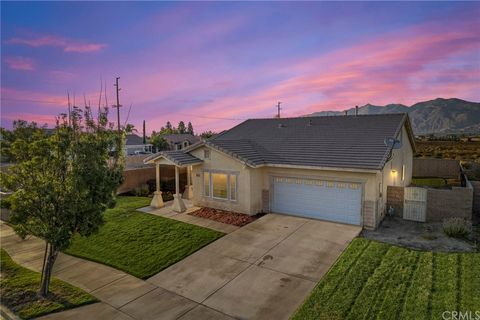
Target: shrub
x=457 y=227
x=5 y=203
x=141 y=191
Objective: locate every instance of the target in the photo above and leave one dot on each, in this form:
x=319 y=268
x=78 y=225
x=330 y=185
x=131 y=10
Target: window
x=185 y=144
x=220 y=185
x=206 y=184
x=206 y=154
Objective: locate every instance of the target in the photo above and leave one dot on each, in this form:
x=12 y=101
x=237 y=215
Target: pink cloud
x=68 y=45
x=12 y=95
x=40 y=119
x=20 y=63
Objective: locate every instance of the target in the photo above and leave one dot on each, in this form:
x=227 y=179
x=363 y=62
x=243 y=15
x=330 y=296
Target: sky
x=218 y=63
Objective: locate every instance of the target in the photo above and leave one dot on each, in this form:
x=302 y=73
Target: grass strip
x=19 y=288
x=470 y=282
x=444 y=293
x=397 y=285
x=417 y=297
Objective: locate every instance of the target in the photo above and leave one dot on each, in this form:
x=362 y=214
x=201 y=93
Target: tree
x=159 y=142
x=190 y=128
x=130 y=128
x=207 y=134
x=181 y=127
x=168 y=126
x=63 y=182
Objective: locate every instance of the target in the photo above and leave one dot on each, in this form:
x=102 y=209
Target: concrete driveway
x=264 y=270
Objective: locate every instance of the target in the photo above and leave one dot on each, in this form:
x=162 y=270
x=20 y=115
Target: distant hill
x=439 y=116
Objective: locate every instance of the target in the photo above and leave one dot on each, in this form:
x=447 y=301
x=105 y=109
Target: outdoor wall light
x=394 y=172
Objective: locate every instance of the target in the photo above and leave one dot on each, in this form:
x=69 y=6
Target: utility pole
x=278 y=109
x=118 y=103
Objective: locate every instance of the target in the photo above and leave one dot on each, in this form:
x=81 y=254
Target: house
x=180 y=141
x=134 y=145
x=334 y=168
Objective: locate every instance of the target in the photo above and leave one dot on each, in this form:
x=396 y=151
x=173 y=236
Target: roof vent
x=309 y=123
x=281 y=125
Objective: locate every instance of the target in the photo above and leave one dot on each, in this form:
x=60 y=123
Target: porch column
x=178 y=205
x=188 y=193
x=157 y=201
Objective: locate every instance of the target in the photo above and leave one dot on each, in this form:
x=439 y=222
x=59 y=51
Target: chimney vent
x=356 y=110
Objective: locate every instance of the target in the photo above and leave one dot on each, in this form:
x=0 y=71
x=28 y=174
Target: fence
x=443 y=168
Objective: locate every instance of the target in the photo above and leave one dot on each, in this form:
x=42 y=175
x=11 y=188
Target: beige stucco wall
x=402 y=156
x=224 y=163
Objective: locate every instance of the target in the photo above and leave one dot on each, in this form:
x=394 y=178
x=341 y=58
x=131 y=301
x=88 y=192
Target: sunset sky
x=215 y=64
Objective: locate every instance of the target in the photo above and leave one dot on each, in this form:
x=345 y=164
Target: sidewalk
x=167 y=212
x=115 y=289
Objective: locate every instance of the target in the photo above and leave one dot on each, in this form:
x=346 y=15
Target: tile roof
x=327 y=141
x=180 y=137
x=133 y=139
x=179 y=157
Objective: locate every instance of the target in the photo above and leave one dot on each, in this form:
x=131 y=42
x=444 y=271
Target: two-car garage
x=337 y=201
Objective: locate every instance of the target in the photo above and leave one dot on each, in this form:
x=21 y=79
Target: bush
x=457 y=227
x=5 y=203
x=141 y=191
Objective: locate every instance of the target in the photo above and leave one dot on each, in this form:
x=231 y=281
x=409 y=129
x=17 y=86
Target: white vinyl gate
x=415 y=204
x=320 y=199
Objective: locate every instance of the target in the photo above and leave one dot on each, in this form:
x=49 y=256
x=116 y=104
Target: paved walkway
x=167 y=212
x=261 y=271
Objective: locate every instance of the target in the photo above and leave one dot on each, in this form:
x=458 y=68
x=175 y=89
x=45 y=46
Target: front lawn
x=19 y=288
x=373 y=280
x=139 y=243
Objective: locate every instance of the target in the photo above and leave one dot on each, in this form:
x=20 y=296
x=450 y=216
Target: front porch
x=178 y=159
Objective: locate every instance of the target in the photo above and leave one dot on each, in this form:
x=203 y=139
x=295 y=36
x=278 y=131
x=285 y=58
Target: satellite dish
x=392 y=143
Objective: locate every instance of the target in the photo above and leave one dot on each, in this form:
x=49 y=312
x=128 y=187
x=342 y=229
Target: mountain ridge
x=439 y=116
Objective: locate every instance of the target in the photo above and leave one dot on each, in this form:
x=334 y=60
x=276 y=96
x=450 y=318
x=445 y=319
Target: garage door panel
x=327 y=200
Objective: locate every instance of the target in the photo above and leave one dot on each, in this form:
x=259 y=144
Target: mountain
x=439 y=116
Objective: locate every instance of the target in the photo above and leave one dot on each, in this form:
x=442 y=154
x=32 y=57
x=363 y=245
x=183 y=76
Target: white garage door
x=320 y=199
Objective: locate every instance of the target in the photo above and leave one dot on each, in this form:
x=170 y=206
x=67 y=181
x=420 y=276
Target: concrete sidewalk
x=167 y=212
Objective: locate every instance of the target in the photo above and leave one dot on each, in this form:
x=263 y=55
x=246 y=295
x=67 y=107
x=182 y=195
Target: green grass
x=429 y=182
x=373 y=280
x=19 y=288
x=138 y=243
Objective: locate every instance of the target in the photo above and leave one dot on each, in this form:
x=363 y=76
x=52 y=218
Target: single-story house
x=334 y=168
x=135 y=144
x=179 y=141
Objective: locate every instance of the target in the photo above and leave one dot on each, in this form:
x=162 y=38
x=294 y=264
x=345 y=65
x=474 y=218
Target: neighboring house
x=334 y=168
x=134 y=145
x=180 y=141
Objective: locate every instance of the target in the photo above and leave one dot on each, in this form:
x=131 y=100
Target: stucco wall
x=221 y=162
x=442 y=204
x=386 y=177
x=444 y=168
